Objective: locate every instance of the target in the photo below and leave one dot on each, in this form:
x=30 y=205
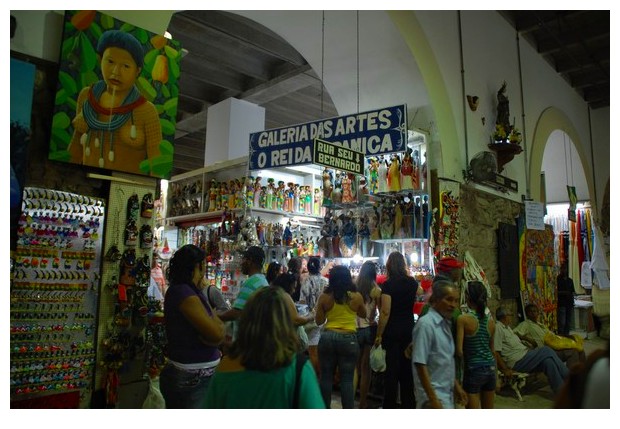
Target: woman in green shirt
x=260 y=371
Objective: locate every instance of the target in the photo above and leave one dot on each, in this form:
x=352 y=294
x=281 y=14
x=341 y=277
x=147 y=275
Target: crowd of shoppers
x=299 y=331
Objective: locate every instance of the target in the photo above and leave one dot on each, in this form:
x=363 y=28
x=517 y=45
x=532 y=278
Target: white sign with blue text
x=372 y=133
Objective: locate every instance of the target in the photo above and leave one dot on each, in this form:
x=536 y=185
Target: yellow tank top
x=341 y=318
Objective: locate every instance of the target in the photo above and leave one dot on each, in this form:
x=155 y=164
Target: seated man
x=569 y=350
x=511 y=354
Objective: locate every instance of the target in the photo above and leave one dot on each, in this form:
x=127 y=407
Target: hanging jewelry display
x=54 y=295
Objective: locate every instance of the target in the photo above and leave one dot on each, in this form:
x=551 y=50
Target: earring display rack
x=54 y=294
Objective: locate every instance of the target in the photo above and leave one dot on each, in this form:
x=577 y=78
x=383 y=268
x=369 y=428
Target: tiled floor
x=536 y=395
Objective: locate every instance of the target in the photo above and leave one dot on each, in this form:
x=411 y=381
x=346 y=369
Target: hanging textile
x=574 y=268
x=599 y=262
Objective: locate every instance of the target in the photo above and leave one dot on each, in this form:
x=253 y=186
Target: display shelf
x=399 y=240
x=400 y=194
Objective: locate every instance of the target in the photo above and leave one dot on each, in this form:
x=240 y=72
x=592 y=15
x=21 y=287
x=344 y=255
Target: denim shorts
x=479 y=379
x=366 y=336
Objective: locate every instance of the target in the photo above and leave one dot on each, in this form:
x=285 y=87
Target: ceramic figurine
x=394 y=174
x=416 y=170
x=373 y=173
x=426 y=221
x=423 y=173
x=363 y=232
x=347 y=191
x=419 y=229
x=382 y=173
x=257 y=191
x=328 y=187
x=337 y=191
x=270 y=196
x=406 y=171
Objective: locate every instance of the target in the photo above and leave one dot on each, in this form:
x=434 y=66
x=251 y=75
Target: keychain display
x=54 y=294
x=128 y=265
x=146 y=207
x=131 y=234
x=133 y=208
x=146 y=237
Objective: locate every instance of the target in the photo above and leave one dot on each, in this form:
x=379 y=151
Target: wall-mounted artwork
x=117 y=96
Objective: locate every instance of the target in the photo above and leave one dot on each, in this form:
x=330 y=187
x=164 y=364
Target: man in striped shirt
x=251 y=265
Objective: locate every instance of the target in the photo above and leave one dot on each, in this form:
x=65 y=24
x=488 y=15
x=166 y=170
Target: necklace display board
x=54 y=296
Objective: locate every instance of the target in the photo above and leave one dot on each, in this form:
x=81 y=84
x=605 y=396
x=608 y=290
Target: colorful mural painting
x=117 y=96
x=538 y=272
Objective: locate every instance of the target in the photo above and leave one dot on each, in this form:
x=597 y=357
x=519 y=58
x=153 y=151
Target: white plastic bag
x=377 y=359
x=154 y=398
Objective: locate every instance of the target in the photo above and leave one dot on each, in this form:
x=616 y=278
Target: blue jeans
x=482 y=378
x=546 y=360
x=340 y=350
x=183 y=389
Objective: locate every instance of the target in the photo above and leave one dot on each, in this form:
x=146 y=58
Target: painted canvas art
x=116 y=103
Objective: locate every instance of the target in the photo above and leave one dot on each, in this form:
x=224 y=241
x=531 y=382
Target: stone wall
x=480 y=213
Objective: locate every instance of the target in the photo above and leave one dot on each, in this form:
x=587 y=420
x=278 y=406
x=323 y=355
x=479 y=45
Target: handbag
x=377 y=358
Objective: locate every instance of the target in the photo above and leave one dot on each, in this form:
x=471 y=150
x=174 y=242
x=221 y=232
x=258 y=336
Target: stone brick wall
x=480 y=213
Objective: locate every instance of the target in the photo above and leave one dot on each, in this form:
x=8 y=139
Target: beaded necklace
x=118 y=117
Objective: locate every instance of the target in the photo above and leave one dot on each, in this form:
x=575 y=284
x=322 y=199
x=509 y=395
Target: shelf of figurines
x=399 y=240
x=206 y=218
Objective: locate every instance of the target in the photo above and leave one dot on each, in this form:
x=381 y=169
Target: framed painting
x=117 y=95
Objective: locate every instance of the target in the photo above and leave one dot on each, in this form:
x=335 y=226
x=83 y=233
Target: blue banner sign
x=372 y=133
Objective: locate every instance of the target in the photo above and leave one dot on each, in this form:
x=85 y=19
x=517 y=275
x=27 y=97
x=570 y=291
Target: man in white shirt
x=532 y=331
x=511 y=354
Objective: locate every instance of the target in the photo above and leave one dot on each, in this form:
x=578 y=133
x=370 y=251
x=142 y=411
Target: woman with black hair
x=294 y=267
x=475 y=332
x=338 y=308
x=398 y=294
x=273 y=270
x=312 y=287
x=286 y=282
x=193 y=329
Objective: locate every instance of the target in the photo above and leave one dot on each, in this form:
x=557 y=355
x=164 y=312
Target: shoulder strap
x=209 y=296
x=299 y=365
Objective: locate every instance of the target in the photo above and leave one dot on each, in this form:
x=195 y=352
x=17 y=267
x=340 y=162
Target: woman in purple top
x=193 y=330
